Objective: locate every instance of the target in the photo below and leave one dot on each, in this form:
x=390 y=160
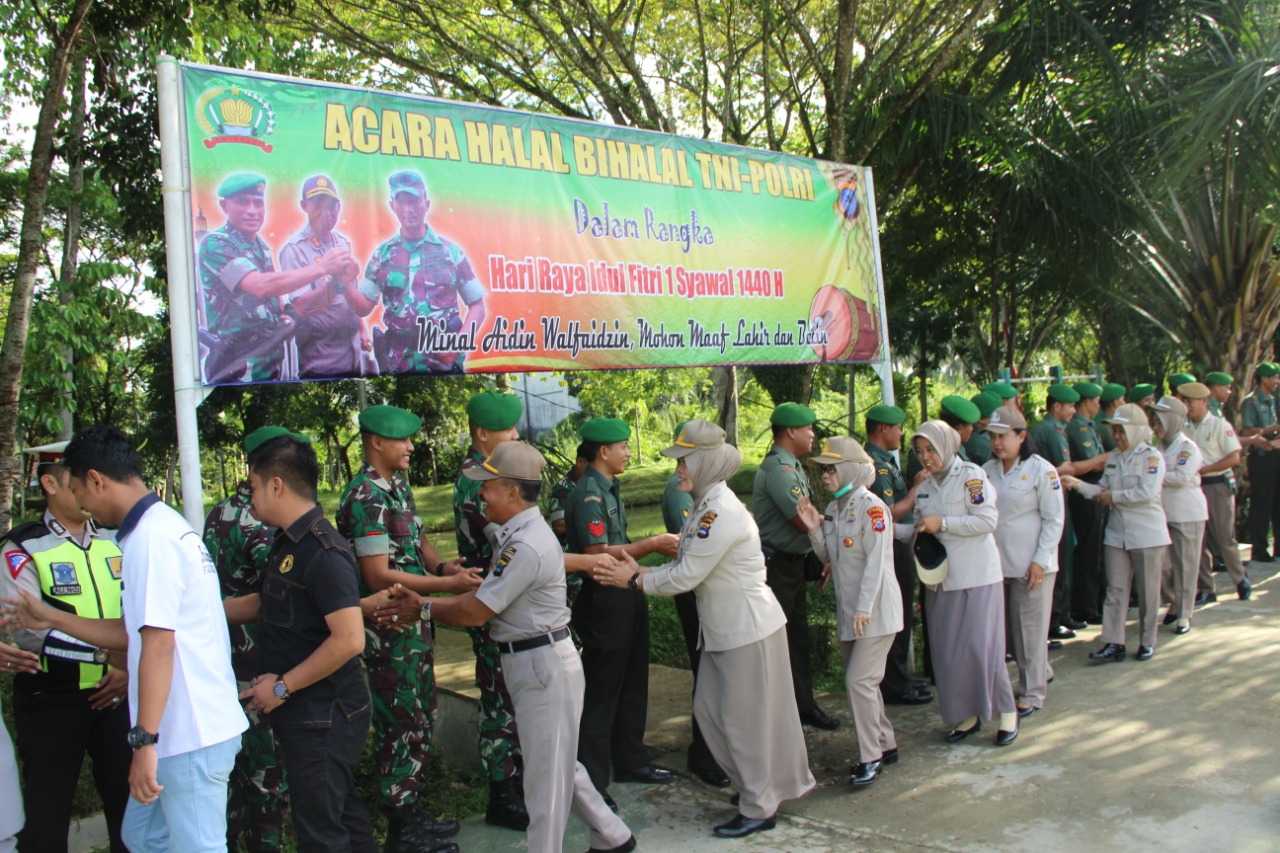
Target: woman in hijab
x=1137 y=535
x=855 y=541
x=957 y=504
x=1185 y=509
x=743 y=701
x=1032 y=515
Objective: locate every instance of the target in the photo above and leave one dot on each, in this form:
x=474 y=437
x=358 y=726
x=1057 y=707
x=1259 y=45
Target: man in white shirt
x=182 y=692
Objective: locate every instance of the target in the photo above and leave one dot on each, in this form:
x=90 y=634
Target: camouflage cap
x=986 y=403
x=884 y=414
x=1003 y=390
x=605 y=430
x=407 y=181
x=389 y=421
x=514 y=460
x=242 y=182
x=959 y=407
x=1217 y=377
x=1112 y=391
x=1087 y=390
x=262 y=435
x=1060 y=393
x=793 y=415
x=494 y=411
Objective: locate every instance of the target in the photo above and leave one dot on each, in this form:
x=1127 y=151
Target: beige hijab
x=708 y=467
x=945 y=440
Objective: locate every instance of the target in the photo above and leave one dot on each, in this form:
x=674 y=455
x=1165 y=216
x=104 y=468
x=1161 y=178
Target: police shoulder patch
x=1183 y=457
x=1153 y=464
x=503 y=560
x=876 y=514
x=976 y=492
x=704 y=523
x=17 y=560
x=1054 y=482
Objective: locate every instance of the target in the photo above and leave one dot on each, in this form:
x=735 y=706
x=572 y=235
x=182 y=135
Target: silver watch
x=425 y=614
x=944 y=524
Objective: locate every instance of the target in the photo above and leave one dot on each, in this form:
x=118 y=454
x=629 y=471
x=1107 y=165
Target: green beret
x=1137 y=392
x=1087 y=390
x=605 y=430
x=389 y=421
x=1179 y=379
x=1266 y=369
x=1003 y=390
x=262 y=435
x=1063 y=393
x=494 y=411
x=883 y=414
x=793 y=415
x=242 y=182
x=1217 y=377
x=986 y=403
x=1112 y=391
x=961 y=408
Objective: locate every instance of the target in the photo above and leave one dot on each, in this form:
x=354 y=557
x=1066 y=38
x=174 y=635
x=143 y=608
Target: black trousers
x=785 y=576
x=1264 y=504
x=897 y=670
x=1061 y=611
x=328 y=812
x=700 y=757
x=613 y=625
x=1088 y=579
x=54 y=731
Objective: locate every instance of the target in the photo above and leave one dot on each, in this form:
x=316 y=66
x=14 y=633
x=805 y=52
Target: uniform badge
x=1153 y=464
x=974 y=488
x=595 y=528
x=286 y=564
x=1054 y=482
x=684 y=513
x=17 y=562
x=847 y=542
x=704 y=524
x=116 y=566
x=876 y=514
x=1183 y=457
x=504 y=559
x=65 y=581
x=795 y=490
x=1088 y=444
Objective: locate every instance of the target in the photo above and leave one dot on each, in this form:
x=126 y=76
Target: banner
x=347 y=232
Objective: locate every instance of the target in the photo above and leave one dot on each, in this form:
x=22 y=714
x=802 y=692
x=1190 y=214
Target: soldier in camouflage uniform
x=555 y=515
x=239 y=544
x=420 y=277
x=378 y=517
x=241 y=288
x=492 y=420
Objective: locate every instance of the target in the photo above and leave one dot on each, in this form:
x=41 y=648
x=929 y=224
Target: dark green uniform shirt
x=1104 y=432
x=594 y=514
x=676 y=505
x=1050 y=436
x=978 y=447
x=1083 y=439
x=780 y=482
x=889 y=484
x=1258 y=410
x=1215 y=407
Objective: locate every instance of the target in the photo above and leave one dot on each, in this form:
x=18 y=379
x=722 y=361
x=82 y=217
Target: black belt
x=778 y=554
x=1214 y=478
x=534 y=642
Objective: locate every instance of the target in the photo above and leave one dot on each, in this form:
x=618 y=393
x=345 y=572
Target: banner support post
x=884 y=367
x=188 y=393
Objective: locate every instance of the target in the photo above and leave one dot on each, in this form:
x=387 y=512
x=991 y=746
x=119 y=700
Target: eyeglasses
x=826 y=469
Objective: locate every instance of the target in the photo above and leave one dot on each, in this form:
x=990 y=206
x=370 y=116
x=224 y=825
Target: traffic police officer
x=779 y=484
x=1088 y=519
x=1050 y=437
x=239 y=543
x=522 y=600
x=884 y=438
x=1112 y=397
x=1219 y=390
x=377 y=515
x=74 y=703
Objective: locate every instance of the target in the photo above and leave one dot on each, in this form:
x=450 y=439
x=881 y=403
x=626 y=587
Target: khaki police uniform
x=525 y=588
x=1050 y=437
x=1186 y=512
x=1136 y=539
x=1032 y=518
x=856 y=538
x=1217 y=439
x=890 y=487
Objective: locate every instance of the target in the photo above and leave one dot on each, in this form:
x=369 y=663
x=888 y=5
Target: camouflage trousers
x=402 y=688
x=257 y=796
x=498 y=738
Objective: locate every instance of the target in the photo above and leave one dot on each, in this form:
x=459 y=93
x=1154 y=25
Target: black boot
x=506 y=807
x=430 y=825
x=406 y=835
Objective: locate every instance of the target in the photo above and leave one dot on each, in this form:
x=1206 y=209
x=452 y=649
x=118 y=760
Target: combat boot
x=506 y=807
x=405 y=834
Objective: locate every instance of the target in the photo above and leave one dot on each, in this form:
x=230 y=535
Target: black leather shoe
x=1054 y=645
x=1061 y=632
x=713 y=776
x=1244 y=589
x=625 y=847
x=405 y=835
x=817 y=718
x=864 y=773
x=741 y=827
x=1182 y=629
x=919 y=685
x=1203 y=598
x=1145 y=653
x=957 y=735
x=438 y=828
x=1169 y=619
x=1110 y=653
x=736 y=799
x=1004 y=738
x=506 y=808
x=914 y=696
x=647 y=775
x=1076 y=624
x=1023 y=713
x=609 y=801
x=890 y=756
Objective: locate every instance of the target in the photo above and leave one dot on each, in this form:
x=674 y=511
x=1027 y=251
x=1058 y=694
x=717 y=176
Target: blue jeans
x=190 y=816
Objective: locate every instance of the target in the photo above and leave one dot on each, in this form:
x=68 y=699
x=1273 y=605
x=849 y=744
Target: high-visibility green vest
x=74 y=580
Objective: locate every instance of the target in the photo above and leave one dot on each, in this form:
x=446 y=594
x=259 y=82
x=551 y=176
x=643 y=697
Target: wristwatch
x=425 y=613
x=139 y=737
x=943 y=526
x=280 y=689
x=633 y=583
x=100 y=656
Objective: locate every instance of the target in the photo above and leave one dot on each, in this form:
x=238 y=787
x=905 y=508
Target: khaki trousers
x=1139 y=568
x=864 y=662
x=1220 y=534
x=1027 y=613
x=1181 y=568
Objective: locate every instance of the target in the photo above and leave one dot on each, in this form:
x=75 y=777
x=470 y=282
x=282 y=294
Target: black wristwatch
x=280 y=689
x=632 y=584
x=139 y=737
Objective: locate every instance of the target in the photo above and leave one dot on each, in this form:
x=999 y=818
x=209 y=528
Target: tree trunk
x=30 y=246
x=71 y=236
x=725 y=381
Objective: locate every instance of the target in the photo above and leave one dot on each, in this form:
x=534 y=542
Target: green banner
x=347 y=232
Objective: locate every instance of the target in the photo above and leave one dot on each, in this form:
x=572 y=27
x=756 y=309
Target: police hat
x=931 y=558
x=840 y=448
x=1177 y=379
x=492 y=410
x=1193 y=390
x=389 y=422
x=697 y=434
x=513 y=460
x=318 y=185
x=1004 y=419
